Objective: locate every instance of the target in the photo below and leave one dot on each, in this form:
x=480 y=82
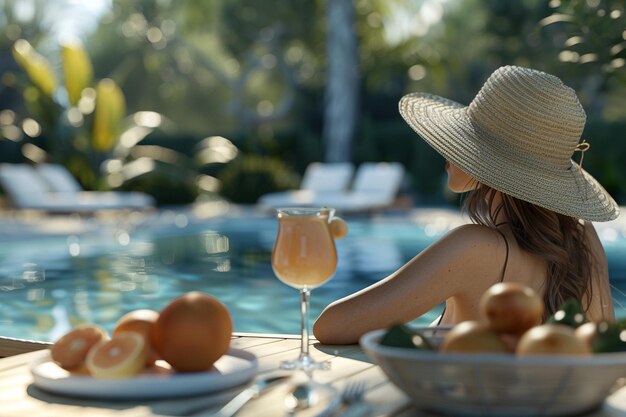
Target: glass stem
x=305 y=294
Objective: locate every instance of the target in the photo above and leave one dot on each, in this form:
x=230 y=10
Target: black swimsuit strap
x=506 y=259
x=506 y=262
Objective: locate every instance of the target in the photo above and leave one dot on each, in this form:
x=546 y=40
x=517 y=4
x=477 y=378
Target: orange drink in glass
x=304 y=257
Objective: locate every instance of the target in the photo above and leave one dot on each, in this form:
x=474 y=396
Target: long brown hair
x=557 y=238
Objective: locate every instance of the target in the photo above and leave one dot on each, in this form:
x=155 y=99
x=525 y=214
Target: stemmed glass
x=304 y=257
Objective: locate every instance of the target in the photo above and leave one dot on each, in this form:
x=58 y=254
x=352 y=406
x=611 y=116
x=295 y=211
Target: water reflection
x=50 y=285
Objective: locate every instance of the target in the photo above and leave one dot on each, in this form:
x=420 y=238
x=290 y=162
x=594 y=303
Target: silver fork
x=352 y=397
x=353 y=393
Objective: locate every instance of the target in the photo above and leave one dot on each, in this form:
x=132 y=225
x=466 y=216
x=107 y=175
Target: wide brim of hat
x=446 y=126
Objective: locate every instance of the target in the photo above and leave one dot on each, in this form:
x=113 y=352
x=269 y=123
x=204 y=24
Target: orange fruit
x=192 y=332
x=338 y=227
x=587 y=332
x=122 y=356
x=552 y=339
x=70 y=351
x=511 y=307
x=472 y=337
x=139 y=321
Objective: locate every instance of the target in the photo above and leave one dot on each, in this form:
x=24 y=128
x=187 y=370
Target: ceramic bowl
x=497 y=384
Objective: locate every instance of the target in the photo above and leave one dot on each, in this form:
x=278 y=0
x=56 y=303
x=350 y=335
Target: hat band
x=582 y=147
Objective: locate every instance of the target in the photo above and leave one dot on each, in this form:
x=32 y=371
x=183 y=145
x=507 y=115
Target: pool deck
x=19 y=396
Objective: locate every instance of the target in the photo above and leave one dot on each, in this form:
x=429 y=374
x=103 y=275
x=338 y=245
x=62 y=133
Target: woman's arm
x=465 y=261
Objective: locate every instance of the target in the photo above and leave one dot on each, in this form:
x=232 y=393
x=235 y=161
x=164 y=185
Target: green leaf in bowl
x=571 y=314
x=400 y=335
x=609 y=337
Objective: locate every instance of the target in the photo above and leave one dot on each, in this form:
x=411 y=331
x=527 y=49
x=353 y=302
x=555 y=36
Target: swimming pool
x=49 y=284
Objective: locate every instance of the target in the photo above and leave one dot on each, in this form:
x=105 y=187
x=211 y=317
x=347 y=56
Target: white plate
x=234 y=368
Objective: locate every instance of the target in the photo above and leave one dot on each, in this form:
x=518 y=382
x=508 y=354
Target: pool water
x=50 y=284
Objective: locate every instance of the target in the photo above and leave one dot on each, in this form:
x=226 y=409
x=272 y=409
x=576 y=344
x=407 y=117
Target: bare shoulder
x=470 y=246
x=477 y=230
x=469 y=258
x=472 y=237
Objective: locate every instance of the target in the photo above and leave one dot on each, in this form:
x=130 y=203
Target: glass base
x=305 y=363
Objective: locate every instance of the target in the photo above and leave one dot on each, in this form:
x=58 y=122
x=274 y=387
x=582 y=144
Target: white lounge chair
x=319 y=179
x=58 y=178
x=52 y=188
x=375 y=187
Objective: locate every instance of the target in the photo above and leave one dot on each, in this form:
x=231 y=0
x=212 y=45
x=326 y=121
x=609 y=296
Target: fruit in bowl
x=510 y=307
x=512 y=313
x=552 y=339
x=473 y=337
x=496 y=384
x=548 y=369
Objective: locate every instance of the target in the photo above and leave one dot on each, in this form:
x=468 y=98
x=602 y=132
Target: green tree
x=14 y=26
x=211 y=66
x=590 y=37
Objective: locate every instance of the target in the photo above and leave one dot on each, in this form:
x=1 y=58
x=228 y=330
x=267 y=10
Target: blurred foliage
x=245 y=73
x=13 y=28
x=253 y=74
x=594 y=35
x=604 y=160
x=590 y=37
x=231 y=62
x=247 y=178
x=81 y=124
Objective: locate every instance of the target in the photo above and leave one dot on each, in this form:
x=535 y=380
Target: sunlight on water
x=50 y=284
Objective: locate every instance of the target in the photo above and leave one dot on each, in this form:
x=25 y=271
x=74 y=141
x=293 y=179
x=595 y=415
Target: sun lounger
x=375 y=187
x=319 y=179
x=51 y=188
x=58 y=178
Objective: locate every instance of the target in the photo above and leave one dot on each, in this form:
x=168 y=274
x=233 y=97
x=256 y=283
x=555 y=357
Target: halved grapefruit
x=122 y=356
x=139 y=321
x=70 y=351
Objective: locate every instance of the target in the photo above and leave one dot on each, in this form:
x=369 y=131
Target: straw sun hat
x=518 y=136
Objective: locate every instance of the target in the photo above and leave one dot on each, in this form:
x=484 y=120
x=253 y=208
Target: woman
x=531 y=205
